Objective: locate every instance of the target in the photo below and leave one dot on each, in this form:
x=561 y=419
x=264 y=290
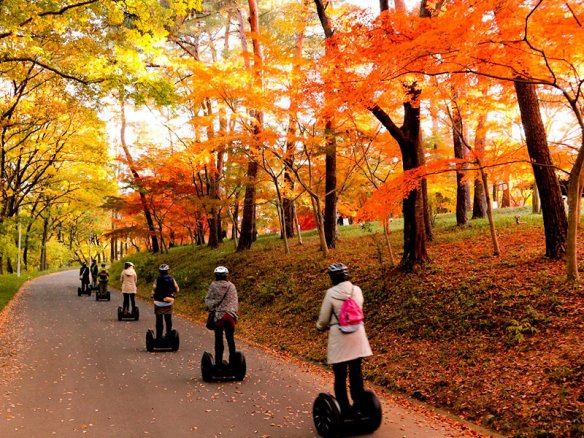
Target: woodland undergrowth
x=495 y=340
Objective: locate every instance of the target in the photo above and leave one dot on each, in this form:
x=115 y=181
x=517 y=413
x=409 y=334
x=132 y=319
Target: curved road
x=77 y=370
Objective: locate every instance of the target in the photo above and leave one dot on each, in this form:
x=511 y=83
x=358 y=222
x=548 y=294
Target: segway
x=234 y=371
x=135 y=315
x=87 y=291
x=329 y=422
x=166 y=343
x=101 y=295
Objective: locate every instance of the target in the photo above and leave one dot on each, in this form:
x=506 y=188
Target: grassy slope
x=9 y=285
x=496 y=340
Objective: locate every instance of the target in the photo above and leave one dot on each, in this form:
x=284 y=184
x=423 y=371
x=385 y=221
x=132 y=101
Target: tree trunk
x=330 y=199
x=137 y=181
x=248 y=225
x=330 y=202
x=459 y=152
x=479 y=210
x=554 y=215
x=506 y=197
x=408 y=138
x=536 y=202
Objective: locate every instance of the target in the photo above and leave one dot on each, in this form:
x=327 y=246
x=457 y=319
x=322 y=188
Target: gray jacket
x=218 y=290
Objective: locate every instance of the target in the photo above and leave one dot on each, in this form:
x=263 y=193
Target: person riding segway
x=222 y=303
x=164 y=291
x=129 y=281
x=341 y=314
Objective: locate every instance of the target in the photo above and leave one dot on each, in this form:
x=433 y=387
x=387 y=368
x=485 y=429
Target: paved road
x=82 y=372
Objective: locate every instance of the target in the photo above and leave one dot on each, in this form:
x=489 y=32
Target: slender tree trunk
x=386 y=232
x=552 y=207
x=574 y=199
x=535 y=203
x=137 y=180
x=479 y=209
x=494 y=238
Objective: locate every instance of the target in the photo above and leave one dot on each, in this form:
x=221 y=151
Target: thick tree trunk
x=248 y=226
x=330 y=202
x=552 y=207
x=246 y=236
x=408 y=138
x=330 y=199
x=459 y=152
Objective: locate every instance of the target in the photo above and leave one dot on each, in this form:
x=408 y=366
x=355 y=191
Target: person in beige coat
x=129 y=281
x=345 y=350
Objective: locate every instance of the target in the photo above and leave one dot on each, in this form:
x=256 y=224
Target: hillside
x=496 y=340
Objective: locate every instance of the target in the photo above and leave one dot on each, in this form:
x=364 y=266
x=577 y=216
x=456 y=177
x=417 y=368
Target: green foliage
x=9 y=285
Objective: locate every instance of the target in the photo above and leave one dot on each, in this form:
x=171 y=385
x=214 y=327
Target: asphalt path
x=80 y=371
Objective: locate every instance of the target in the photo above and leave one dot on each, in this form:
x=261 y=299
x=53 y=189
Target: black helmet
x=338 y=273
x=164 y=268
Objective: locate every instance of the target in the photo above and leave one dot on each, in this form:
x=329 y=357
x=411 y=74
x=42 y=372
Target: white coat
x=129 y=280
x=342 y=347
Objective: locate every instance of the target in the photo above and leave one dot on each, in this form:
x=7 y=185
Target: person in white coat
x=345 y=350
x=129 y=281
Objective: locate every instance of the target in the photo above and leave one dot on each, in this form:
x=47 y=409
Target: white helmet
x=221 y=270
x=164 y=267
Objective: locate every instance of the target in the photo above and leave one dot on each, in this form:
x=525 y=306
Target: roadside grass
x=9 y=285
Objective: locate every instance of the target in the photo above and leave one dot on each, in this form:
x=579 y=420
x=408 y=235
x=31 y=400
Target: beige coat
x=129 y=280
x=342 y=347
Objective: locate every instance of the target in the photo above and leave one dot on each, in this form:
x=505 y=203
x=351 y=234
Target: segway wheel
x=136 y=314
x=175 y=340
x=207 y=364
x=119 y=313
x=326 y=415
x=371 y=408
x=78 y=291
x=239 y=366
x=150 y=340
x=96 y=296
x=108 y=295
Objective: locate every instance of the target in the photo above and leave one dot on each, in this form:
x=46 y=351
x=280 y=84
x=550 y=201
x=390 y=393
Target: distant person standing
x=84 y=277
x=164 y=291
x=94 y=271
x=129 y=280
x=222 y=300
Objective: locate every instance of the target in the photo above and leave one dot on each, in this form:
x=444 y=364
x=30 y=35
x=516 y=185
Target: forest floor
x=497 y=341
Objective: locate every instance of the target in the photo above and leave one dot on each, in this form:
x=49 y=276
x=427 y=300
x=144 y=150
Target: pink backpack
x=350 y=316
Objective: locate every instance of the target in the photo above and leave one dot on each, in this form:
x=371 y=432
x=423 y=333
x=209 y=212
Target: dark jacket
x=84 y=274
x=165 y=286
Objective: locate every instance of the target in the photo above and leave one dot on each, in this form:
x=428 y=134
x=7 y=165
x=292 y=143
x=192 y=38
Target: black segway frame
x=79 y=291
x=228 y=373
x=130 y=316
x=328 y=421
x=102 y=296
x=170 y=343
